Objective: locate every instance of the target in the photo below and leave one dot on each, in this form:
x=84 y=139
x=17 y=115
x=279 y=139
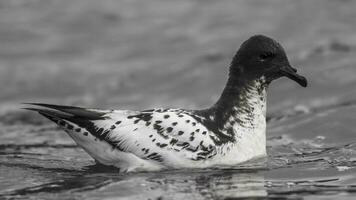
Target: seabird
x=231 y=131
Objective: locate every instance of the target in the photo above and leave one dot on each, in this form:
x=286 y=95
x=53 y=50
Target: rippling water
x=313 y=165
x=134 y=55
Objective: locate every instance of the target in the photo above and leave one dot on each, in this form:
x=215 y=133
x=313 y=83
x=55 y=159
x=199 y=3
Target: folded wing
x=157 y=135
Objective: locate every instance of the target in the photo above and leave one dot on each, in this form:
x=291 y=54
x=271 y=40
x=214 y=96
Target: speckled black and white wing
x=157 y=138
x=172 y=137
x=163 y=135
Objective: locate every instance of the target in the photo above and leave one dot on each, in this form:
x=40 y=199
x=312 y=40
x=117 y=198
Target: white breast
x=250 y=135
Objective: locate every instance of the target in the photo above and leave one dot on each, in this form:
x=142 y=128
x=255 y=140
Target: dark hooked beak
x=291 y=73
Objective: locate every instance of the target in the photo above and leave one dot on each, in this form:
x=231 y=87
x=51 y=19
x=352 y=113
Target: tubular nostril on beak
x=294 y=69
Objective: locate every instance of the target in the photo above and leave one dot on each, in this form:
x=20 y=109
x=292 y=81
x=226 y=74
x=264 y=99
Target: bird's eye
x=266 y=55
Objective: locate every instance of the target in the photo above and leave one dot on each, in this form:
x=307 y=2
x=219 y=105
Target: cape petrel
x=231 y=131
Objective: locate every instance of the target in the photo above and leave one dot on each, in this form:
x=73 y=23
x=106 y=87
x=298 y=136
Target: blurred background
x=134 y=54
x=137 y=54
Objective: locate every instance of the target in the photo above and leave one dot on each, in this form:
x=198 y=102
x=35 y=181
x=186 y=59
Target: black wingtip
x=32 y=109
x=52 y=106
x=46 y=113
x=32 y=104
x=68 y=110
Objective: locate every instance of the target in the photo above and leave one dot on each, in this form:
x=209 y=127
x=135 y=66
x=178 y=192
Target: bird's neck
x=242 y=104
x=239 y=113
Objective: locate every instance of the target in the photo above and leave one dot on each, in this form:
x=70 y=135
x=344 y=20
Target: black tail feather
x=80 y=117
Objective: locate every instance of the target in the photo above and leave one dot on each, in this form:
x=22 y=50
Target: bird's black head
x=261 y=56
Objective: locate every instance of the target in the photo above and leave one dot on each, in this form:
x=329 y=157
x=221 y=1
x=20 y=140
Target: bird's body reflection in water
x=209 y=184
x=97 y=181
